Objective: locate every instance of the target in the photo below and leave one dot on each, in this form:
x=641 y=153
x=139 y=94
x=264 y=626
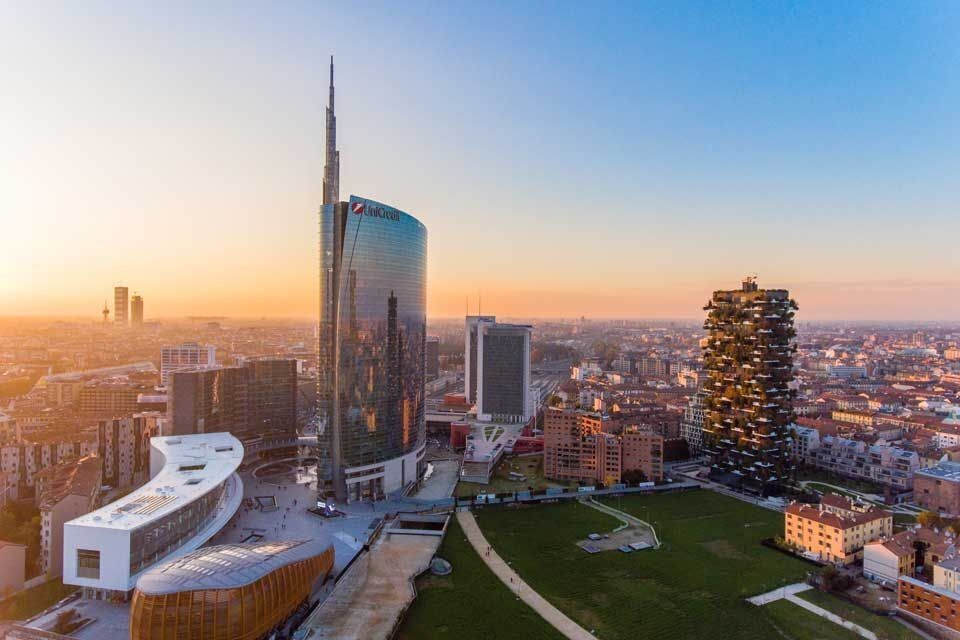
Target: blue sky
x=607 y=159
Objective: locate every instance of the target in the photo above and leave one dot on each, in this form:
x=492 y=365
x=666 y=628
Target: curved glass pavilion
x=373 y=261
x=232 y=591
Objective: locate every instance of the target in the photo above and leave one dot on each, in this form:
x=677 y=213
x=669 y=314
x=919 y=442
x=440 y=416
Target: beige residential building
x=836 y=530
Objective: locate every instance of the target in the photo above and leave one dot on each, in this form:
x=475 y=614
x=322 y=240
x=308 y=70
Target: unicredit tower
x=372 y=340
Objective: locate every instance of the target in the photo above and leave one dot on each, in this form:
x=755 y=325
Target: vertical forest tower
x=748 y=358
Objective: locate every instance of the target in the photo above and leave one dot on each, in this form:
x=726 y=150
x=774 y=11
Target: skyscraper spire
x=331 y=166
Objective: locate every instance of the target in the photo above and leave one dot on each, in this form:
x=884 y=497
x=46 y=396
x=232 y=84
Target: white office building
x=193 y=492
x=470 y=355
x=184 y=357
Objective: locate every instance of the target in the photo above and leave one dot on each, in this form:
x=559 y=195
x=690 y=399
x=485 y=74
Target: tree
x=930 y=519
x=555 y=400
x=633 y=476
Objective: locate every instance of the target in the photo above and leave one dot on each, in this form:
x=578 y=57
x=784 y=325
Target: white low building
x=193 y=492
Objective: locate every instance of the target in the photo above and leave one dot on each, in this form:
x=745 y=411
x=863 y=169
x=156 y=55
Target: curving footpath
x=557 y=619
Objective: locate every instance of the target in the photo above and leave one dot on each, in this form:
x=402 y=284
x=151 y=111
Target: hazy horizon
x=610 y=161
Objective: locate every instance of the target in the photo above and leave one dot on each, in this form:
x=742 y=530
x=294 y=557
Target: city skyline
x=804 y=143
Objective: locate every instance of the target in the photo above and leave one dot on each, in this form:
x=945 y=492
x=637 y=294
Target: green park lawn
x=797 y=623
x=885 y=628
x=693 y=587
x=471 y=603
x=32 y=601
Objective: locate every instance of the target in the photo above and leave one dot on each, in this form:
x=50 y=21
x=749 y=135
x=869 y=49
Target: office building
x=236 y=591
x=65 y=491
x=193 y=492
x=183 y=357
x=136 y=310
x=503 y=373
x=433 y=356
x=749 y=364
x=272 y=394
x=372 y=341
x=471 y=339
x=255 y=397
x=121 y=309
x=106 y=398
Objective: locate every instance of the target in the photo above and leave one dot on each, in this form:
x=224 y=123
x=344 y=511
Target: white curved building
x=193 y=492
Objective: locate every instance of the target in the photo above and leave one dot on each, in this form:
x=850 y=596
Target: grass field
x=796 y=622
x=820 y=475
x=32 y=601
x=469 y=604
x=694 y=587
x=885 y=628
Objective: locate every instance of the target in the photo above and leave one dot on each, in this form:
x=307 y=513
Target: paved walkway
x=789 y=593
x=623 y=517
x=509 y=577
x=778 y=594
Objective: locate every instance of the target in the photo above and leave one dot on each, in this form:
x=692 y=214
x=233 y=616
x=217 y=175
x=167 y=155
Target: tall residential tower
x=121 y=307
x=748 y=358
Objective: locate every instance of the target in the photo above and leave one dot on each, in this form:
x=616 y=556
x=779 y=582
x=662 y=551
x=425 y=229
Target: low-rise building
x=65 y=491
x=933 y=604
x=835 y=531
x=886 y=559
x=937 y=488
x=13 y=567
x=883 y=464
x=193 y=492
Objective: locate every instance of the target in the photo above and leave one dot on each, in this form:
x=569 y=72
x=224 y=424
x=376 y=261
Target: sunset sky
x=570 y=158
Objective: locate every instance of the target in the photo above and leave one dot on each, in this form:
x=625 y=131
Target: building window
x=88 y=564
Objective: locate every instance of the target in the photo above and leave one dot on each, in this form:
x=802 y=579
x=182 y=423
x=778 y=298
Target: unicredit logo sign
x=360 y=209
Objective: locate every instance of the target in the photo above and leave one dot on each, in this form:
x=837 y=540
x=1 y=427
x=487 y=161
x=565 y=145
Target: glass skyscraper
x=373 y=265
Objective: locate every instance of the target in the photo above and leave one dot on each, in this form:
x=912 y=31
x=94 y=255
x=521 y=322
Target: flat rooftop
x=944 y=470
x=193 y=465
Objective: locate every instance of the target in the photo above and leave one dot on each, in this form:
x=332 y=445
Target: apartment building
x=836 y=530
x=884 y=464
x=65 y=491
x=578 y=446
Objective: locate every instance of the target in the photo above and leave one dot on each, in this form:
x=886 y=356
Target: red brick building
x=938 y=488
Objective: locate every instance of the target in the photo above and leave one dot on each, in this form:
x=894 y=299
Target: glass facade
x=503 y=375
x=250 y=610
x=373 y=261
x=154 y=541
